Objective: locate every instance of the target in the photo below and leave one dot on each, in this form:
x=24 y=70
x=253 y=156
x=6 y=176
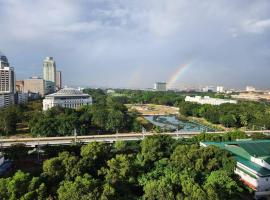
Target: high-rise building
x=7 y=76
x=160 y=86
x=58 y=80
x=7 y=82
x=49 y=71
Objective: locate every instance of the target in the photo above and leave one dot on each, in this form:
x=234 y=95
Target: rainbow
x=172 y=80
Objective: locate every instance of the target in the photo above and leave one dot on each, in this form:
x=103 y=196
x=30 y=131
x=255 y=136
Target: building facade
x=19 y=85
x=58 y=80
x=7 y=82
x=250 y=89
x=49 y=70
x=21 y=97
x=34 y=85
x=7 y=76
x=208 y=100
x=220 y=89
x=160 y=86
x=7 y=99
x=252 y=163
x=67 y=98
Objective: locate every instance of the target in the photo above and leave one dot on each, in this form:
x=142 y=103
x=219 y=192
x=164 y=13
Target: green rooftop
x=244 y=149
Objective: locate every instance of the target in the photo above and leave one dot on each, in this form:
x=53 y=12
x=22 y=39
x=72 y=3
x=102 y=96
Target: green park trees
x=157 y=168
x=253 y=115
x=107 y=115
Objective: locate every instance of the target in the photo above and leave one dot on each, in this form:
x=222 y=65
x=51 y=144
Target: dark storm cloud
x=125 y=43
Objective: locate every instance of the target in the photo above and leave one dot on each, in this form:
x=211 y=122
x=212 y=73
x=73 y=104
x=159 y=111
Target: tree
x=83 y=188
x=228 y=120
x=153 y=148
x=158 y=189
x=94 y=156
x=120 y=169
x=4 y=193
x=221 y=186
x=9 y=118
x=54 y=169
x=99 y=117
x=115 y=120
x=18 y=185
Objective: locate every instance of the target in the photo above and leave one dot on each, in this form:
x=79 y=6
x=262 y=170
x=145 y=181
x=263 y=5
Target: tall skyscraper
x=49 y=72
x=7 y=82
x=7 y=76
x=58 y=80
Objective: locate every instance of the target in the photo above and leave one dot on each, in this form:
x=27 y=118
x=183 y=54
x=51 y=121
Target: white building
x=250 y=89
x=67 y=98
x=252 y=163
x=220 y=89
x=160 y=86
x=208 y=100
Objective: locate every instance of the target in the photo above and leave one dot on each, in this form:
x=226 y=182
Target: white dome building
x=67 y=98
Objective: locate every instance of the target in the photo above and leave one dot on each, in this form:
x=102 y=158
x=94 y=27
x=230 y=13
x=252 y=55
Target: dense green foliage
x=156 y=168
x=253 y=115
x=106 y=115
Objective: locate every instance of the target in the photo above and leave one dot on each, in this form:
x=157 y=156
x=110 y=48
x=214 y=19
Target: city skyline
x=123 y=44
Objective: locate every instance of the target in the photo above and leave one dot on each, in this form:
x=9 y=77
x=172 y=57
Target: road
x=32 y=142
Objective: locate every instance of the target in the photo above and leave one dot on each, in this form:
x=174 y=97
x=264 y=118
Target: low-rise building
x=208 y=100
x=34 y=85
x=67 y=98
x=19 y=85
x=21 y=98
x=250 y=89
x=252 y=162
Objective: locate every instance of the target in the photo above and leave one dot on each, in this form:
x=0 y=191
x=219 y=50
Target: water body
x=171 y=122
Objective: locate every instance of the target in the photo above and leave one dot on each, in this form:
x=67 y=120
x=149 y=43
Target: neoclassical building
x=67 y=98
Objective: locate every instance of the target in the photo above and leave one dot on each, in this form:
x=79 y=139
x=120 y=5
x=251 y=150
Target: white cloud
x=112 y=38
x=256 y=26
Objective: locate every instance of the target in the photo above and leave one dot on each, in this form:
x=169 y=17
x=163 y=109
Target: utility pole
x=1 y=144
x=75 y=135
x=38 y=149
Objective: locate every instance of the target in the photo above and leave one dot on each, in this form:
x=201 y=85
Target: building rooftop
x=67 y=92
x=3 y=58
x=244 y=150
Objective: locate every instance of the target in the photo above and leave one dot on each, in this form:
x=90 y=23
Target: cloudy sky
x=133 y=43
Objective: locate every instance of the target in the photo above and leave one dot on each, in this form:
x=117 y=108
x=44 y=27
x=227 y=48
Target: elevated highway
x=65 y=140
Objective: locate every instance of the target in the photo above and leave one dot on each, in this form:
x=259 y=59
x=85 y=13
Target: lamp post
x=143 y=132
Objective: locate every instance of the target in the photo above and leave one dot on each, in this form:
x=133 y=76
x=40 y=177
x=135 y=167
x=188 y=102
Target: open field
x=252 y=96
x=153 y=109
